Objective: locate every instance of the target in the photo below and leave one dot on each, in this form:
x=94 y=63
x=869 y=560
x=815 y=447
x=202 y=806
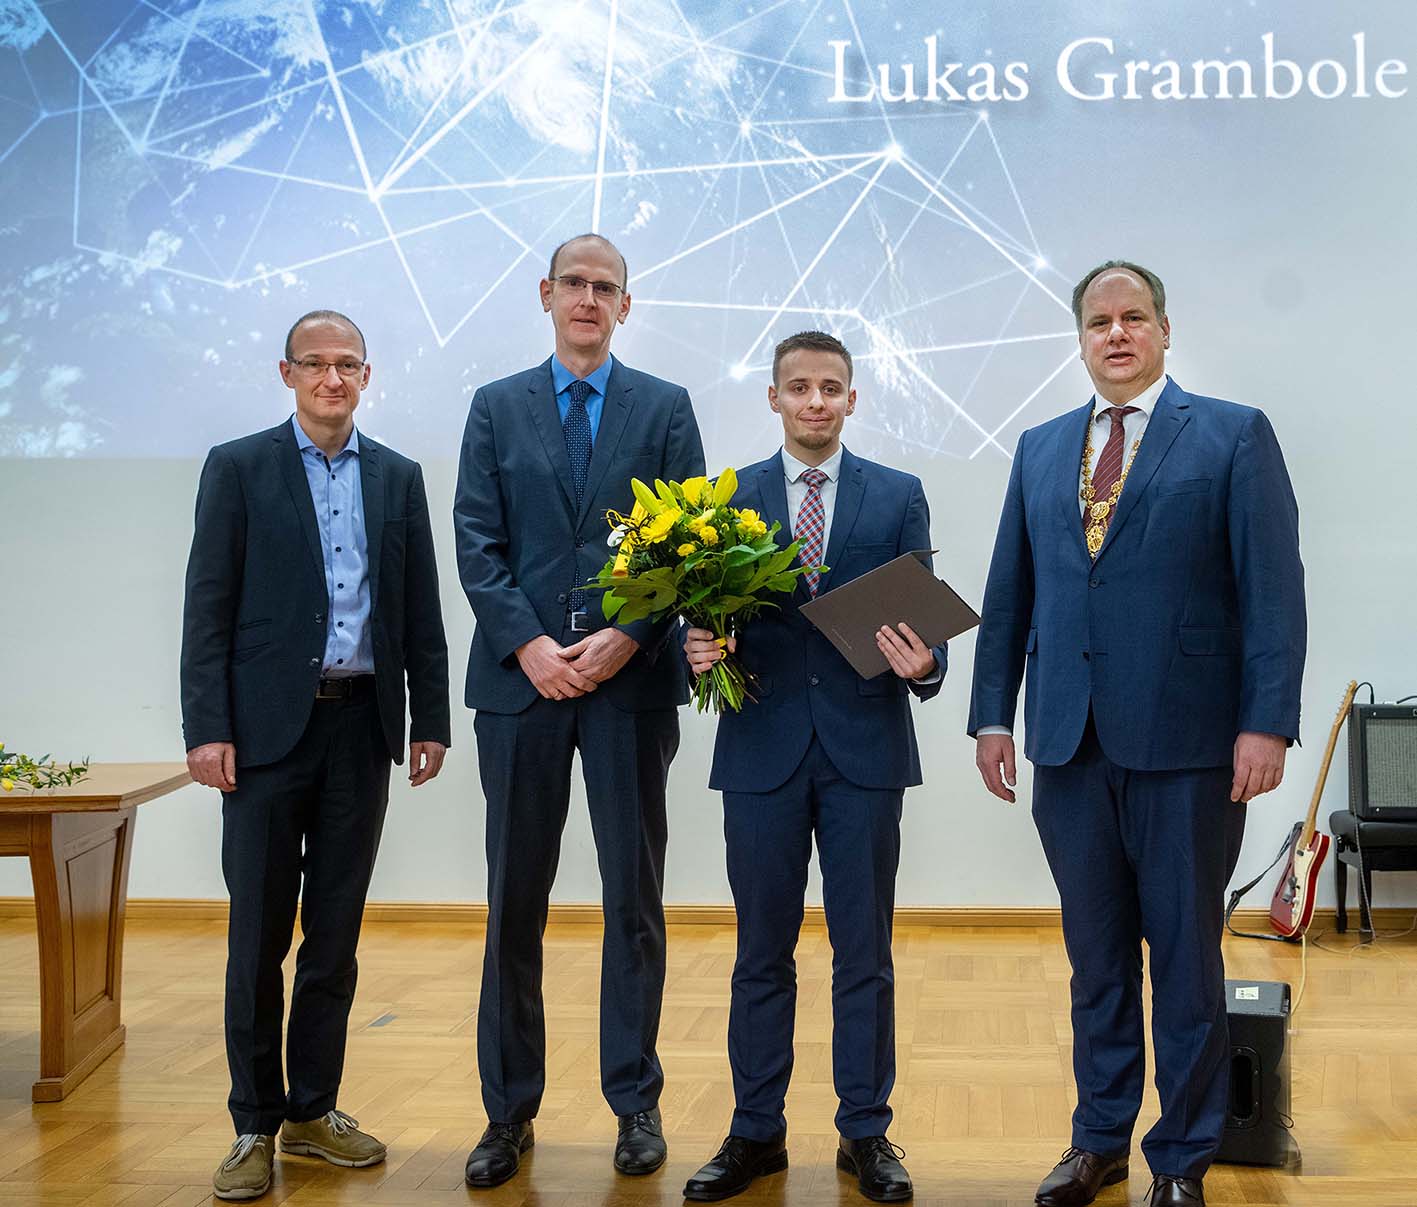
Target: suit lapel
x=1068 y=470
x=772 y=494
x=288 y=456
x=371 y=487
x=614 y=416
x=1168 y=417
x=541 y=402
x=850 y=490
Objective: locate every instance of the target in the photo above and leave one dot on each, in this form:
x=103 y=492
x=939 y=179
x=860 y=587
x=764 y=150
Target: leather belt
x=347 y=687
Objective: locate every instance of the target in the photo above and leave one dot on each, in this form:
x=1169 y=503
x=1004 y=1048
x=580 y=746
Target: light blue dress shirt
x=336 y=491
x=562 y=377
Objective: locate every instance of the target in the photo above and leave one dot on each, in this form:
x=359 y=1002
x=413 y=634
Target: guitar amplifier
x=1382 y=762
x=1257 y=1114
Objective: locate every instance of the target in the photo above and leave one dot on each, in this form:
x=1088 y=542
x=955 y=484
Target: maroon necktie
x=1109 y=465
x=811 y=521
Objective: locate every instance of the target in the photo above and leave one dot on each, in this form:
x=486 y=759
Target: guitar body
x=1292 y=909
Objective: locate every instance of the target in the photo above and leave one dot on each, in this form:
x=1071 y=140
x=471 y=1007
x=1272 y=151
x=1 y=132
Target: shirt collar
x=561 y=377
x=303 y=440
x=1145 y=402
x=794 y=468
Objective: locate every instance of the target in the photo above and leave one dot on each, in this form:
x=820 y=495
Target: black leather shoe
x=876 y=1163
x=640 y=1147
x=498 y=1154
x=734 y=1167
x=1167 y=1191
x=1078 y=1177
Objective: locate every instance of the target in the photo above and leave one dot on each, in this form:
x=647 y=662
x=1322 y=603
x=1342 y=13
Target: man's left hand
x=601 y=655
x=1259 y=765
x=909 y=657
x=425 y=760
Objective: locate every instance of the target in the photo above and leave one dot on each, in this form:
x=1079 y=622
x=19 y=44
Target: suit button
x=561 y=598
x=813 y=680
x=1094 y=582
x=314 y=662
x=580 y=544
x=1086 y=657
x=319 y=617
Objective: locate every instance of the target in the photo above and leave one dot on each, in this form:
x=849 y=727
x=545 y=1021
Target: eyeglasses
x=605 y=291
x=313 y=366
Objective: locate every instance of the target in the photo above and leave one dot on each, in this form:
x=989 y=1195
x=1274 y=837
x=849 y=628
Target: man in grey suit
x=546 y=452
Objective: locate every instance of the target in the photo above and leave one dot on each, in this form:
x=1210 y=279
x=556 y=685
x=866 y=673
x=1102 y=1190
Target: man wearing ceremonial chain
x=1146 y=578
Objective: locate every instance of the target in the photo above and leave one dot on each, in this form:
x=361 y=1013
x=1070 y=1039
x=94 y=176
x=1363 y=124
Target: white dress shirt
x=793 y=470
x=1133 y=426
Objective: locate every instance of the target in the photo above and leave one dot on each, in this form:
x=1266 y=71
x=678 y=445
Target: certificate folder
x=901 y=590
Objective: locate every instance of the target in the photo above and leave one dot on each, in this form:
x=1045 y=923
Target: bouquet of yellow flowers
x=683 y=549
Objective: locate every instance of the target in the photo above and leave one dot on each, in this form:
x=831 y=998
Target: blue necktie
x=577 y=432
x=576 y=429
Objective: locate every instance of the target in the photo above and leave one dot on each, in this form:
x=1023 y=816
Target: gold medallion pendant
x=1094 y=539
x=1100 y=510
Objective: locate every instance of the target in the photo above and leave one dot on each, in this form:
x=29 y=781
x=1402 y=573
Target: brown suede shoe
x=1078 y=1177
x=245 y=1172
x=334 y=1137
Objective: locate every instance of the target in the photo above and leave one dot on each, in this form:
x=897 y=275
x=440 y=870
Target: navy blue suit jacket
x=1190 y=626
x=521 y=543
x=804 y=685
x=256 y=612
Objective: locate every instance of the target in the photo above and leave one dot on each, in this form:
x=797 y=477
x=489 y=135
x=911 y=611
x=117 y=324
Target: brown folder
x=901 y=590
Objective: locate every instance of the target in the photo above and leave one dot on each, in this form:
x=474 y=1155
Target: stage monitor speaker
x=1257 y=1114
x=1382 y=762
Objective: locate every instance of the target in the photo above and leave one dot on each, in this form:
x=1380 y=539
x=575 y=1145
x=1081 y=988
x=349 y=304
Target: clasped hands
x=1258 y=764
x=909 y=657
x=564 y=672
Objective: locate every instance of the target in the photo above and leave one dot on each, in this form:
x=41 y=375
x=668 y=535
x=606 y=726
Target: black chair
x=1370 y=846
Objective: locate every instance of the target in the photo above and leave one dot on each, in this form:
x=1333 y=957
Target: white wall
x=96 y=549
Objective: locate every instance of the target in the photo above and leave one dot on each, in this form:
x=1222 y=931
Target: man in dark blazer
x=546 y=452
x=311 y=593
x=1147 y=578
x=820 y=751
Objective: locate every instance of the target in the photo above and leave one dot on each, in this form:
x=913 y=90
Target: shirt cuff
x=933 y=677
x=985 y=731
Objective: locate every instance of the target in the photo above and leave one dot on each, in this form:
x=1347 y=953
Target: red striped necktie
x=1109 y=465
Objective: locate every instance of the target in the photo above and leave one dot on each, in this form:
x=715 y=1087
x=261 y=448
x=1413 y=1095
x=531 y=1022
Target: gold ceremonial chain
x=1099 y=509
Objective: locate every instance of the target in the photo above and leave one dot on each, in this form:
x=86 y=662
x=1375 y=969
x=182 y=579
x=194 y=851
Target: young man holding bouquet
x=819 y=751
x=546 y=453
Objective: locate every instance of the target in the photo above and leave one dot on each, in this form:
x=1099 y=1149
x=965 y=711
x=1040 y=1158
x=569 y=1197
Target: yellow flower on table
x=686 y=548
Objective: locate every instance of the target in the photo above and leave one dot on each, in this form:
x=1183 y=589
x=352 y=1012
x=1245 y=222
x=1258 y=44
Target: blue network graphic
x=180 y=178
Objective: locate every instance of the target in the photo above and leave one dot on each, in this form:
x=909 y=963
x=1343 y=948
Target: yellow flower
x=659 y=527
x=694 y=490
x=685 y=549
x=8 y=785
x=724 y=487
x=621 y=568
x=709 y=536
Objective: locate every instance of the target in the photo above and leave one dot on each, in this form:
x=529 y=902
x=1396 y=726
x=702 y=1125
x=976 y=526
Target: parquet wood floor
x=982 y=1101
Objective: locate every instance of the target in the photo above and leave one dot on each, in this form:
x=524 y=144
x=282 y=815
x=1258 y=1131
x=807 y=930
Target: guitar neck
x=1306 y=835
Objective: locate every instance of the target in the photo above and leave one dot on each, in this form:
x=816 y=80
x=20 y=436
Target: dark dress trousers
x=1142 y=669
x=523 y=545
x=824 y=753
x=312 y=777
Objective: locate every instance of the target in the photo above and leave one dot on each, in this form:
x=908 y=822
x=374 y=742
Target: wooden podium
x=79 y=841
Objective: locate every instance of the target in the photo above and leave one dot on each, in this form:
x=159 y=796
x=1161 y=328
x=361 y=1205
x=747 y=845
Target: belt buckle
x=332 y=689
x=577 y=621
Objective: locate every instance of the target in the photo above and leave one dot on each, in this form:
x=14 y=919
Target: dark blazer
x=521 y=543
x=804 y=685
x=254 y=621
x=1190 y=626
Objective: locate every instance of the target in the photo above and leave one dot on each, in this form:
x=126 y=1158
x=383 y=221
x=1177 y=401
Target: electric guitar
x=1292 y=908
